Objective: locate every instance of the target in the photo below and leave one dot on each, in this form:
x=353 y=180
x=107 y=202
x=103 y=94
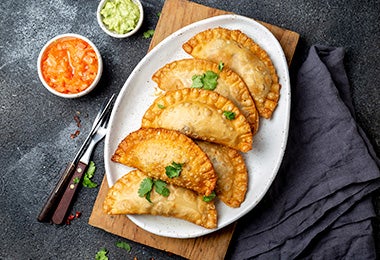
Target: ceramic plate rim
x=163 y=226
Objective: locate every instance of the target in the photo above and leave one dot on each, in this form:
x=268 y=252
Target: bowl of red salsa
x=70 y=65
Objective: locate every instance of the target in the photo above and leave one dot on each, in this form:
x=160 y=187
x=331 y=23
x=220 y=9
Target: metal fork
x=56 y=194
x=77 y=178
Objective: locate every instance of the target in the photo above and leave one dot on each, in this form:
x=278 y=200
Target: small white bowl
x=112 y=33
x=89 y=88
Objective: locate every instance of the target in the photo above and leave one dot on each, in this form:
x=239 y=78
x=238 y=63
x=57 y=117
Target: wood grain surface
x=175 y=15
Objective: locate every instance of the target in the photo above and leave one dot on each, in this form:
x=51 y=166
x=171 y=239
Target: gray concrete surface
x=36 y=126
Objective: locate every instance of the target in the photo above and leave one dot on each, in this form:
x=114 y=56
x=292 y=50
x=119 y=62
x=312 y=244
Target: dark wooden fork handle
x=63 y=207
x=53 y=199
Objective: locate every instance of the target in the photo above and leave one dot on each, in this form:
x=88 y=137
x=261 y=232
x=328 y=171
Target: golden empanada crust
x=152 y=150
x=230 y=167
x=245 y=57
x=123 y=198
x=178 y=74
x=200 y=114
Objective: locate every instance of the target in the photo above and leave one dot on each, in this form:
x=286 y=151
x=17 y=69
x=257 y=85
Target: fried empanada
x=201 y=114
x=245 y=57
x=230 y=167
x=123 y=198
x=158 y=152
x=178 y=75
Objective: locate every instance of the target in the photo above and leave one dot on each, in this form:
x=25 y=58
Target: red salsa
x=69 y=65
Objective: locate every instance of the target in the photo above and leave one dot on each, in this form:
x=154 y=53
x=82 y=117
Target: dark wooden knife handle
x=55 y=195
x=67 y=198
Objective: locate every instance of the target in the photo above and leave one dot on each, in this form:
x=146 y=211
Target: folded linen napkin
x=319 y=205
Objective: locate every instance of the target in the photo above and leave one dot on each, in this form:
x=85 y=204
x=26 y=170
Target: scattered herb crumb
x=76 y=180
x=221 y=66
x=123 y=245
x=87 y=182
x=173 y=170
x=160 y=106
x=209 y=197
x=101 y=254
x=148 y=34
x=71 y=217
x=229 y=115
x=78 y=214
x=78 y=123
x=158 y=14
x=74 y=135
x=77 y=120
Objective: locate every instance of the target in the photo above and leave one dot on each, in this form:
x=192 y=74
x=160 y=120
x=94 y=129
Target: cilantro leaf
x=101 y=254
x=221 y=65
x=145 y=188
x=197 y=81
x=229 y=115
x=147 y=196
x=148 y=34
x=123 y=245
x=210 y=80
x=87 y=182
x=76 y=180
x=209 y=197
x=173 y=170
x=160 y=187
x=91 y=169
x=207 y=80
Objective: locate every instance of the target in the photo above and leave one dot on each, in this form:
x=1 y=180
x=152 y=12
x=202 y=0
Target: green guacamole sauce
x=120 y=16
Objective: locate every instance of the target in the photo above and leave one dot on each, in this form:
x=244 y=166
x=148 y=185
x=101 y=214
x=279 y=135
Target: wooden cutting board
x=175 y=15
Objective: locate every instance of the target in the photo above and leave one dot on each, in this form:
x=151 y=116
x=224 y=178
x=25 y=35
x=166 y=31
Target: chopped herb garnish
x=207 y=80
x=148 y=34
x=173 y=170
x=160 y=106
x=209 y=197
x=147 y=196
x=87 y=182
x=197 y=81
x=158 y=14
x=123 y=245
x=229 y=115
x=221 y=66
x=76 y=180
x=101 y=254
x=146 y=187
x=160 y=188
x=210 y=80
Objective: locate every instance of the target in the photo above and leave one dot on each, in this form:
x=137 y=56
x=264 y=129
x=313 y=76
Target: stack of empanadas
x=188 y=148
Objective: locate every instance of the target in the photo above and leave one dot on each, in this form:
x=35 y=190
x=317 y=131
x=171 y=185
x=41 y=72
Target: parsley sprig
x=148 y=34
x=87 y=182
x=124 y=245
x=146 y=187
x=101 y=254
x=209 y=197
x=229 y=115
x=207 y=80
x=173 y=170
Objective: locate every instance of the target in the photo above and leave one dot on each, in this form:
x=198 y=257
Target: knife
x=51 y=203
x=77 y=177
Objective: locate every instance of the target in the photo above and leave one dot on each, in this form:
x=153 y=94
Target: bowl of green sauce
x=120 y=18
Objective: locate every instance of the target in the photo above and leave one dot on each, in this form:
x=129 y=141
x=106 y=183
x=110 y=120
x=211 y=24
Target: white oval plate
x=139 y=92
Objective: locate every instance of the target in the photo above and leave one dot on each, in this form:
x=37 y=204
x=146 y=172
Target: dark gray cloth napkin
x=319 y=205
